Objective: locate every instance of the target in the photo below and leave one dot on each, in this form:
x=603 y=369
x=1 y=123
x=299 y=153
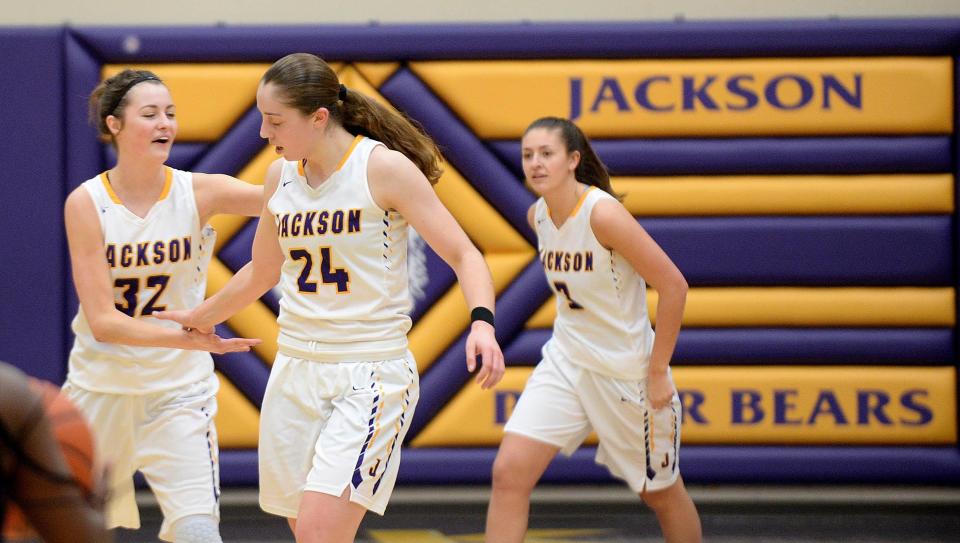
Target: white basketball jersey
x=602 y=321
x=156 y=262
x=344 y=282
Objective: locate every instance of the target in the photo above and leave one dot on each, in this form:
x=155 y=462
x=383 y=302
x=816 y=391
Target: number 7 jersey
x=156 y=262
x=344 y=286
x=602 y=321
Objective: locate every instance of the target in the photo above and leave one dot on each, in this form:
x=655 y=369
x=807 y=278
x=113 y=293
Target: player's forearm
x=475 y=279
x=115 y=327
x=240 y=291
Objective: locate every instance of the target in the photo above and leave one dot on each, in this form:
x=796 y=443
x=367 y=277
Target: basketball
x=76 y=441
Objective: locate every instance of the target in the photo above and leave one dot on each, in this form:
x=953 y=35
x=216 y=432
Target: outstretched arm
x=257 y=277
x=91 y=275
x=616 y=229
x=397 y=184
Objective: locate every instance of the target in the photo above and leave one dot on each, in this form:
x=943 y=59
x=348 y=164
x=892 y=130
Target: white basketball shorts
x=562 y=402
x=168 y=436
x=331 y=426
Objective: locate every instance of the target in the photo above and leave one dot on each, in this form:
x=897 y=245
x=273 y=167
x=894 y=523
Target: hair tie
x=342 y=95
x=126 y=88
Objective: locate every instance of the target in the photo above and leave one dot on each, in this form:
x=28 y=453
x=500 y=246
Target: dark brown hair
x=591 y=170
x=307 y=83
x=110 y=97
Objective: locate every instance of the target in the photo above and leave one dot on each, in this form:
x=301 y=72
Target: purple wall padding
x=699 y=464
x=237 y=250
x=803 y=38
x=830 y=251
x=955 y=246
x=853 y=155
x=772 y=346
x=462 y=148
x=33 y=264
x=714 y=464
x=448 y=373
x=236 y=148
x=84 y=155
x=238 y=467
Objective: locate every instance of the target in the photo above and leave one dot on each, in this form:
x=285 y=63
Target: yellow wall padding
x=238 y=421
x=477 y=406
x=787 y=195
x=715 y=97
x=758 y=405
x=376 y=72
x=254 y=172
x=356 y=80
x=802 y=306
x=449 y=316
x=254 y=321
x=485 y=226
x=209 y=97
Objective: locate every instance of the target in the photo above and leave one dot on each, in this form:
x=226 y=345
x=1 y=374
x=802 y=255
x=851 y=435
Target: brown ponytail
x=591 y=170
x=307 y=83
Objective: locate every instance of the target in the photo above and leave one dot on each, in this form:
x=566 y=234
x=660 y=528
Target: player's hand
x=218 y=345
x=185 y=318
x=482 y=345
x=660 y=389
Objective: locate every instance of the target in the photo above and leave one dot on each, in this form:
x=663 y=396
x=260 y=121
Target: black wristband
x=481 y=313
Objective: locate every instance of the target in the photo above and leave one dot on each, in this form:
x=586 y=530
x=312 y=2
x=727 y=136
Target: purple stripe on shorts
x=395 y=442
x=357 y=475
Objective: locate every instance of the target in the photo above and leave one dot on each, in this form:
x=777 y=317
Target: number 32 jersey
x=156 y=262
x=602 y=321
x=344 y=285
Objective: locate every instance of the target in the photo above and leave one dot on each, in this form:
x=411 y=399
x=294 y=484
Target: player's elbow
x=467 y=256
x=265 y=279
x=103 y=329
x=674 y=286
x=102 y=334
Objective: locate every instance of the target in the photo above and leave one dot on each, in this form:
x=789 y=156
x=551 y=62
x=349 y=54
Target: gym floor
x=569 y=514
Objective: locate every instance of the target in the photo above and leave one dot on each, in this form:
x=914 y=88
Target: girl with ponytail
x=352 y=176
x=603 y=369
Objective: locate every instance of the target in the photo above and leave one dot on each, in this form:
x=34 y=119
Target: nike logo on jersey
x=287 y=182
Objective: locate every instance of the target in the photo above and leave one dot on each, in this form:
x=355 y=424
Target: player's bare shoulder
x=393 y=177
x=79 y=208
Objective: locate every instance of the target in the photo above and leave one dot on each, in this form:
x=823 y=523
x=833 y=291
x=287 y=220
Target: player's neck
x=563 y=200
x=137 y=184
x=328 y=155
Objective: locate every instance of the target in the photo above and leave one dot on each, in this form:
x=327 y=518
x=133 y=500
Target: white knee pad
x=197 y=529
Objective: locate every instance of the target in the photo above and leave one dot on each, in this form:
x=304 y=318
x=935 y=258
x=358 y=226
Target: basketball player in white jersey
x=334 y=233
x=603 y=369
x=139 y=244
